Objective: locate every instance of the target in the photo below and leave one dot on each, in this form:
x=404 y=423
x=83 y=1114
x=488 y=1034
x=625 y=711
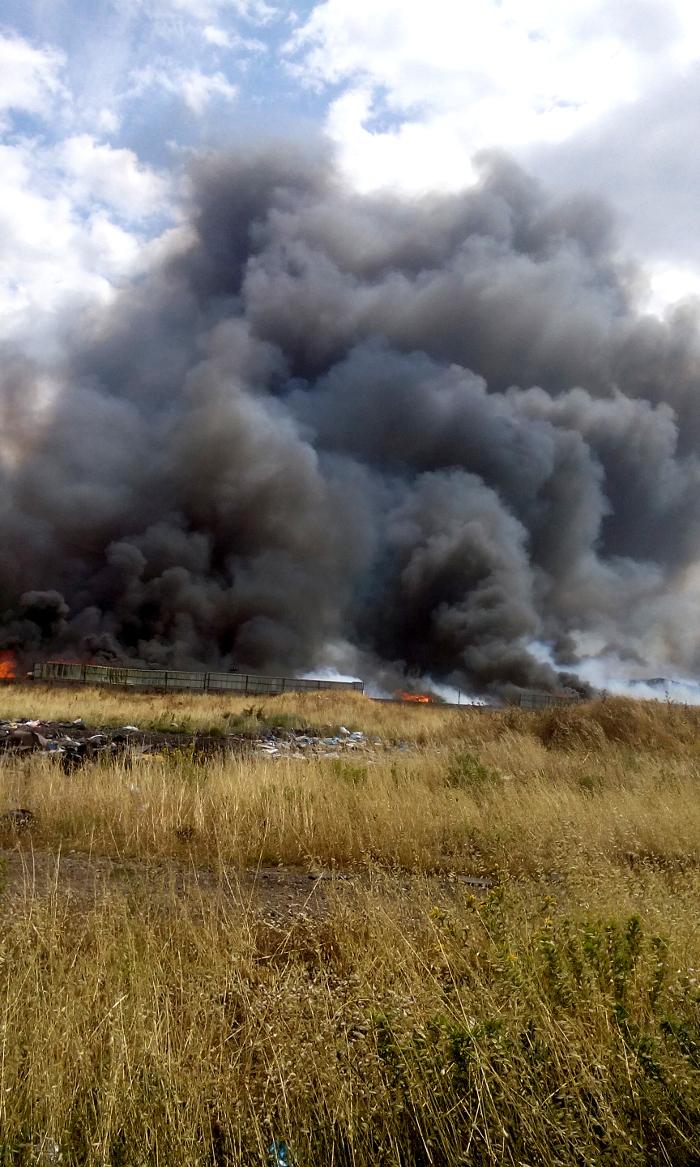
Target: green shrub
x=465 y=772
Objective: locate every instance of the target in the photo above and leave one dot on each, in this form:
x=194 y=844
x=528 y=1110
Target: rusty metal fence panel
x=182 y=680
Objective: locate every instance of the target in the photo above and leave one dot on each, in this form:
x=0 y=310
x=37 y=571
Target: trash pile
x=68 y=741
x=293 y=744
x=73 y=744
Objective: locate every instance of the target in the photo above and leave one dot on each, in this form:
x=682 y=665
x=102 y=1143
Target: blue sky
x=101 y=102
x=147 y=77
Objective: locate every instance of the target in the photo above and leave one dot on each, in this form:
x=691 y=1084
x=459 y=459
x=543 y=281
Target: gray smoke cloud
x=403 y=437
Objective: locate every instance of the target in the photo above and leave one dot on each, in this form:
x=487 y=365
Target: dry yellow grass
x=117 y=707
x=658 y=727
x=426 y=811
x=395 y=1030
x=554 y=1019
x=469 y=789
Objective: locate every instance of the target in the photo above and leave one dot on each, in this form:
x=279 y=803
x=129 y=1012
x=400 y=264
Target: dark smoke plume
x=394 y=436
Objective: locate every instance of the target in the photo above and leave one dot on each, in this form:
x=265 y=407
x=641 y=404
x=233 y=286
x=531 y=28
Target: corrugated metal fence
x=234 y=683
x=531 y=699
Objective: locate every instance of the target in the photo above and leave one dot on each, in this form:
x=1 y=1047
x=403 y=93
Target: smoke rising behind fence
x=389 y=436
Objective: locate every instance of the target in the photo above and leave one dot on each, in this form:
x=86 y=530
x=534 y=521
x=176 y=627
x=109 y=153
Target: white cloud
x=253 y=10
x=226 y=40
x=428 y=85
x=29 y=77
x=75 y=213
x=59 y=245
x=115 y=177
x=669 y=283
x=47 y=259
x=69 y=231
x=107 y=120
x=216 y=36
x=197 y=89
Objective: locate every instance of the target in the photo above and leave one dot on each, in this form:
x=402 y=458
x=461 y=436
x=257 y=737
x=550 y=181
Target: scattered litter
x=20 y=738
x=302 y=746
x=74 y=755
x=72 y=744
x=47 y=1151
x=278 y=1155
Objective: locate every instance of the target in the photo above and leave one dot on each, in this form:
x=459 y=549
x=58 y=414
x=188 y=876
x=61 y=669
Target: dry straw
x=415 y=1019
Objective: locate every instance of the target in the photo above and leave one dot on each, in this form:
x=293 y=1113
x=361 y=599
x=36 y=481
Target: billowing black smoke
x=391 y=436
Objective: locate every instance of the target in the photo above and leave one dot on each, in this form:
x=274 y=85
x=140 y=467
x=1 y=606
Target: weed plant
x=428 y=1027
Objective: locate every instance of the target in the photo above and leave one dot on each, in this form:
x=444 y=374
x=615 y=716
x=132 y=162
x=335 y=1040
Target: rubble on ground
x=72 y=743
x=68 y=741
x=295 y=744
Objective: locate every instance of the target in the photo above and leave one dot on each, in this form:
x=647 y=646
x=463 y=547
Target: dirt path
x=277 y=894
x=272 y=891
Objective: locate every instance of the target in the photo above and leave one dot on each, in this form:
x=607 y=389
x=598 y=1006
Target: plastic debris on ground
x=278 y=1155
x=72 y=743
x=47 y=1152
x=292 y=744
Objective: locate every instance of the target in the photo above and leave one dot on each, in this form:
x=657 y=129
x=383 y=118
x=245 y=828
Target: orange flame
x=420 y=698
x=7 y=665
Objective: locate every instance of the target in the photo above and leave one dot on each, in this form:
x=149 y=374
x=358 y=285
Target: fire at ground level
x=238 y=684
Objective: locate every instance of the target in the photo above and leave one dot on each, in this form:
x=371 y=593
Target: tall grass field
x=500 y=965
